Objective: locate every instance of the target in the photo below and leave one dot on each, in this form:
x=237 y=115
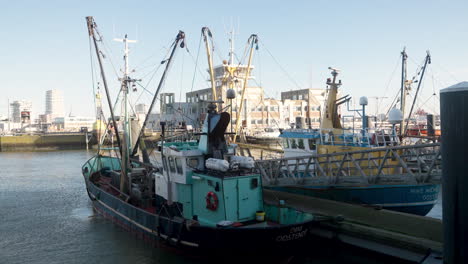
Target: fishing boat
x=367 y=167
x=196 y=195
x=265 y=136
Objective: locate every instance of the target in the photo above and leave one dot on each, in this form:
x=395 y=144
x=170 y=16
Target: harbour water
x=46 y=217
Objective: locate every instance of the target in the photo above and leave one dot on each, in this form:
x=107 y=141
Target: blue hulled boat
x=371 y=168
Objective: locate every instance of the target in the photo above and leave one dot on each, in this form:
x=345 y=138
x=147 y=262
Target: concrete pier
x=43 y=142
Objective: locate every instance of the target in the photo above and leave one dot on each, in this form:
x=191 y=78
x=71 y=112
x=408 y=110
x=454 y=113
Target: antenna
x=125 y=40
x=113 y=27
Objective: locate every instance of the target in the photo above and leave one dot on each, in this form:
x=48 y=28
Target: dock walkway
x=408 y=237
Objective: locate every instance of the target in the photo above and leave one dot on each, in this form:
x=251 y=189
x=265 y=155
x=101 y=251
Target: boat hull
x=176 y=232
x=263 y=140
x=414 y=199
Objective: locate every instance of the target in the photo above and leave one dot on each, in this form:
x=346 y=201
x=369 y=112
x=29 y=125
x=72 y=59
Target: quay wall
x=42 y=142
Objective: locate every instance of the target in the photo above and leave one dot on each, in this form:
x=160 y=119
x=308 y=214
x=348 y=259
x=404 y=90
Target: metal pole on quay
x=454 y=126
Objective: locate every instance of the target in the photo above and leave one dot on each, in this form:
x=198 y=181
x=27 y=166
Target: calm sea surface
x=46 y=217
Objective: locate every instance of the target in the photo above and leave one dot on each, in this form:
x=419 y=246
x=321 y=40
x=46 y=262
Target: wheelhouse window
x=312 y=145
x=179 y=168
x=285 y=143
x=165 y=163
x=301 y=143
x=293 y=143
x=192 y=162
x=171 y=164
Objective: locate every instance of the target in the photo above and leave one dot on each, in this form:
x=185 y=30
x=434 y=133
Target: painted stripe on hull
x=199 y=237
x=141 y=226
x=415 y=199
x=406 y=204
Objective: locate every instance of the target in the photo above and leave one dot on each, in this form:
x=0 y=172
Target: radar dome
x=363 y=101
x=395 y=116
x=230 y=94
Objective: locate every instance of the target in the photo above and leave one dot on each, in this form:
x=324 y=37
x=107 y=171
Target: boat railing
x=391 y=164
x=365 y=138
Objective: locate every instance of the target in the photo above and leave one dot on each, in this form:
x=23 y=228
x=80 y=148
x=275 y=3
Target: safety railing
x=391 y=164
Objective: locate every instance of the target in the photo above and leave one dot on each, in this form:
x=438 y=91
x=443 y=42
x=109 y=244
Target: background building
x=54 y=104
x=18 y=107
x=141 y=109
x=74 y=123
x=303 y=107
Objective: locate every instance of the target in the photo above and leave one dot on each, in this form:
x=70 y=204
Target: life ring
x=212 y=201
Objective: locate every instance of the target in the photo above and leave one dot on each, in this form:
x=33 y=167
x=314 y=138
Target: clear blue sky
x=45 y=44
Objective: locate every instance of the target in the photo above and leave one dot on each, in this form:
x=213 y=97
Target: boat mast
x=426 y=61
x=404 y=89
x=91 y=28
x=253 y=40
x=231 y=48
x=207 y=33
x=126 y=82
x=330 y=119
x=179 y=39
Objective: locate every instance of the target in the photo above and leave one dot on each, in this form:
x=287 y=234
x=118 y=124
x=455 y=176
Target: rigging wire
x=391 y=76
x=181 y=83
x=445 y=70
x=196 y=62
x=281 y=67
x=162 y=62
x=156 y=53
x=259 y=68
x=92 y=74
x=108 y=51
x=213 y=44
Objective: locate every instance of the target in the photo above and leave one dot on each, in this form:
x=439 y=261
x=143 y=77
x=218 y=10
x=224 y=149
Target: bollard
x=430 y=125
x=454 y=124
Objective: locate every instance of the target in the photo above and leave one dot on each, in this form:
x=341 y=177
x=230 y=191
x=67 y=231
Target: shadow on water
x=46 y=217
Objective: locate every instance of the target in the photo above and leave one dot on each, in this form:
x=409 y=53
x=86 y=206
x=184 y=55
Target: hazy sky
x=45 y=45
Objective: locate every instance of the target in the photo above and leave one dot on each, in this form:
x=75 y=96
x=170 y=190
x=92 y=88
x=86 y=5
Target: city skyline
x=363 y=39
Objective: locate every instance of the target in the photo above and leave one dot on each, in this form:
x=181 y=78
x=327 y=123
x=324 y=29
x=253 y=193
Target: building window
x=294 y=97
x=300 y=97
x=252 y=121
x=298 y=108
x=305 y=108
